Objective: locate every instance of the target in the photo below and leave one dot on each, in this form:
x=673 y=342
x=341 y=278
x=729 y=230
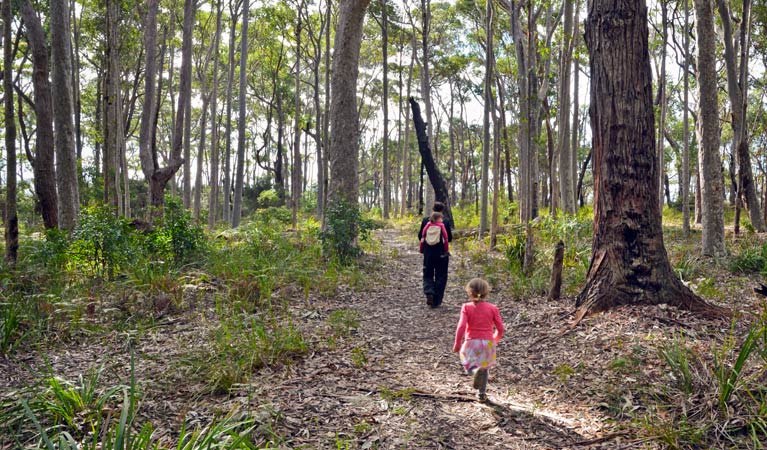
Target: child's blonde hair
x=435 y=216
x=478 y=289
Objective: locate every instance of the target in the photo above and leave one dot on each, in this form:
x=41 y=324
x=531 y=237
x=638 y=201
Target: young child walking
x=479 y=330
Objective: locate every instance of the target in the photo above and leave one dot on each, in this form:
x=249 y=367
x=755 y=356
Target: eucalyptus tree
x=43 y=159
x=296 y=172
x=488 y=106
x=566 y=168
x=113 y=136
x=63 y=111
x=11 y=216
x=737 y=87
x=629 y=264
x=711 y=184
x=239 y=178
x=214 y=141
x=234 y=12
x=207 y=94
x=161 y=176
x=343 y=153
x=270 y=82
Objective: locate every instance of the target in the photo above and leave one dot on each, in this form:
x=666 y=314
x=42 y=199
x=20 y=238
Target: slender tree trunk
x=343 y=153
x=385 y=101
x=326 y=124
x=63 y=111
x=161 y=176
x=11 y=216
x=629 y=264
x=685 y=183
x=662 y=99
x=708 y=146
x=187 y=168
x=214 y=156
x=406 y=172
x=429 y=164
x=147 y=153
x=296 y=174
x=488 y=104
x=426 y=84
x=233 y=9
x=736 y=89
x=113 y=128
x=563 y=122
x=76 y=85
x=239 y=180
x=43 y=160
x=201 y=156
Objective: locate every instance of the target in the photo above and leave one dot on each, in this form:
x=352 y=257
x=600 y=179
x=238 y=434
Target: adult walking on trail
x=435 y=260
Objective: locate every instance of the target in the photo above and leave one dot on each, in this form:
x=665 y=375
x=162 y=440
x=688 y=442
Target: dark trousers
x=435 y=275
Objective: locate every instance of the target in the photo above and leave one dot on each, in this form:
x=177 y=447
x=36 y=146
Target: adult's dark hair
x=438 y=207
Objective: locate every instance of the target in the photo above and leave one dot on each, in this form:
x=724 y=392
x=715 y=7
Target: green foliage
x=50 y=254
x=679 y=358
x=752 y=258
x=344 y=225
x=176 y=237
x=242 y=345
x=104 y=419
x=11 y=330
x=343 y=322
x=714 y=402
x=103 y=242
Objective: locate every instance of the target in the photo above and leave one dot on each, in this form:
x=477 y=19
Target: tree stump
x=555 y=288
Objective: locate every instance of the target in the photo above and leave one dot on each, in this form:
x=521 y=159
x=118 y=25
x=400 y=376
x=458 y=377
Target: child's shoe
x=482 y=397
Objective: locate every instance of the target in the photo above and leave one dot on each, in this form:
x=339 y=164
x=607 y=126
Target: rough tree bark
x=11 y=216
x=63 y=112
x=629 y=264
x=711 y=183
x=343 y=153
x=441 y=192
x=43 y=160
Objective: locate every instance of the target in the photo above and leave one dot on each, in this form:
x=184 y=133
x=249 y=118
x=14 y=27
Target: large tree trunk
x=11 y=216
x=239 y=179
x=441 y=192
x=43 y=160
x=63 y=111
x=343 y=153
x=711 y=183
x=629 y=264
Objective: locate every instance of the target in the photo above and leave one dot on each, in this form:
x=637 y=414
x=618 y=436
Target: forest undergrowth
x=255 y=338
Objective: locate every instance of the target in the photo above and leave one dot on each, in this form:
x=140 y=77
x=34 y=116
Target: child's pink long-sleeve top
x=477 y=322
